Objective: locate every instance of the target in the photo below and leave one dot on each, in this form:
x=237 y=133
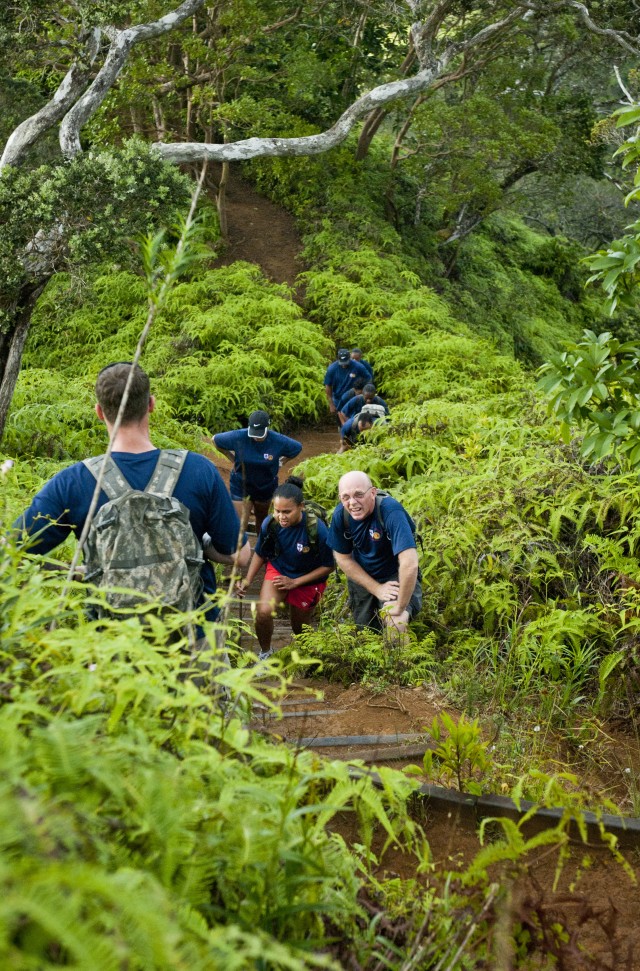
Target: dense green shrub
x=223 y=322
x=142 y=822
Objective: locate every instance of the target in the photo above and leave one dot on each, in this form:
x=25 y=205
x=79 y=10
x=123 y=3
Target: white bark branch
x=71 y=87
x=121 y=44
x=308 y=144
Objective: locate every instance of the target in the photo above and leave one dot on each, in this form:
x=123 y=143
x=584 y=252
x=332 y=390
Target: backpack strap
x=312 y=528
x=167 y=471
x=271 y=545
x=380 y=495
x=113 y=483
x=379 y=513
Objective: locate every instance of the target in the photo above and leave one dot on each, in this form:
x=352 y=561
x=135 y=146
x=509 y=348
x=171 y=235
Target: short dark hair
x=364 y=421
x=110 y=386
x=369 y=389
x=291 y=489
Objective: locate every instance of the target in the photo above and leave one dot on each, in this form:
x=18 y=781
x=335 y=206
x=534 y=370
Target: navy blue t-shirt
x=356 y=404
x=345 y=430
x=256 y=461
x=341 y=379
x=347 y=396
x=375 y=549
x=67 y=496
x=296 y=556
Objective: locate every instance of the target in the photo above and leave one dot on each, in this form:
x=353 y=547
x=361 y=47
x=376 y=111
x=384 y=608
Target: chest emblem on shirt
x=301 y=548
x=268 y=457
x=374 y=534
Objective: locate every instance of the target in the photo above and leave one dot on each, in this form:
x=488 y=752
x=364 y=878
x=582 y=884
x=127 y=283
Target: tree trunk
x=12 y=345
x=158 y=118
x=377 y=116
x=221 y=201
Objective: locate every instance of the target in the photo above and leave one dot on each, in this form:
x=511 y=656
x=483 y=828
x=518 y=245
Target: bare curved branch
x=121 y=44
x=334 y=136
x=308 y=144
x=71 y=87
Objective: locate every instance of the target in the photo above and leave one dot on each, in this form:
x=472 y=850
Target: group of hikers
x=352 y=398
x=138 y=531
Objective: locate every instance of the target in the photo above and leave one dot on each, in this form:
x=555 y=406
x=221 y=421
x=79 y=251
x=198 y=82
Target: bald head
x=352 y=481
x=357 y=494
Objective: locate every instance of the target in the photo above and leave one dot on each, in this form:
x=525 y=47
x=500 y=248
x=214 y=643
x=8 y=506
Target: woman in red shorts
x=293 y=544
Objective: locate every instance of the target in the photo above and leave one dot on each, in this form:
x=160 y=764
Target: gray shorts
x=365 y=608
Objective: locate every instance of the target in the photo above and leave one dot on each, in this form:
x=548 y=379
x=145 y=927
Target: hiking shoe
x=265 y=655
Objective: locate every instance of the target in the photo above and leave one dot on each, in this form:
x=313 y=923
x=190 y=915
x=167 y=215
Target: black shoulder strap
x=380 y=495
x=271 y=545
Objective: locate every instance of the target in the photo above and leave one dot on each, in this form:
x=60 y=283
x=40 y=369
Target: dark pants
x=365 y=608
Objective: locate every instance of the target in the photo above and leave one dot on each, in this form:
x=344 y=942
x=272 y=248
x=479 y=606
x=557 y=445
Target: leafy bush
x=101 y=861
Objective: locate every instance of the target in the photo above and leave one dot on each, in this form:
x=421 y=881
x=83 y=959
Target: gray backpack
x=143 y=541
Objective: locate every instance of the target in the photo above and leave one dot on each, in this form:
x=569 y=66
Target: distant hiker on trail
x=353 y=428
x=373 y=539
x=358 y=385
x=340 y=377
x=293 y=544
x=356 y=355
x=362 y=401
x=158 y=553
x=257 y=454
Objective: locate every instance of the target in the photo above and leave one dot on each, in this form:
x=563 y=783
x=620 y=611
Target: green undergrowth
x=145 y=825
x=520 y=289
x=227 y=342
x=142 y=823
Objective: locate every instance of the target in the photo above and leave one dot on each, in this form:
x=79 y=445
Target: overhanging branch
x=308 y=144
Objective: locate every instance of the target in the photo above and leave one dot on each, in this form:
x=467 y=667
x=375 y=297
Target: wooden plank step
x=289 y=702
x=305 y=714
x=391 y=754
x=331 y=741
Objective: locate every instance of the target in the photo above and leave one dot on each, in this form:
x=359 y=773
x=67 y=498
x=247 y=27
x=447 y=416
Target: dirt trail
x=261 y=232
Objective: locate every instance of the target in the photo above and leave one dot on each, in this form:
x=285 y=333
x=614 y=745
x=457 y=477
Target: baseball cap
x=259 y=421
x=344 y=356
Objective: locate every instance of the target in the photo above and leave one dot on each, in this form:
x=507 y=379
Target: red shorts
x=303 y=597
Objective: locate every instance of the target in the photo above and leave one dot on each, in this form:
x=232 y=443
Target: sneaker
x=265 y=655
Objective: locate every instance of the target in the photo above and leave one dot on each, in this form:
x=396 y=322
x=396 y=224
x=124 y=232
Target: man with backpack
x=367 y=401
x=154 y=508
x=374 y=544
x=340 y=377
x=353 y=428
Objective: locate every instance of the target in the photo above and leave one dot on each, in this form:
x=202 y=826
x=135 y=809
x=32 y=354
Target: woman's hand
x=284 y=583
x=241 y=588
